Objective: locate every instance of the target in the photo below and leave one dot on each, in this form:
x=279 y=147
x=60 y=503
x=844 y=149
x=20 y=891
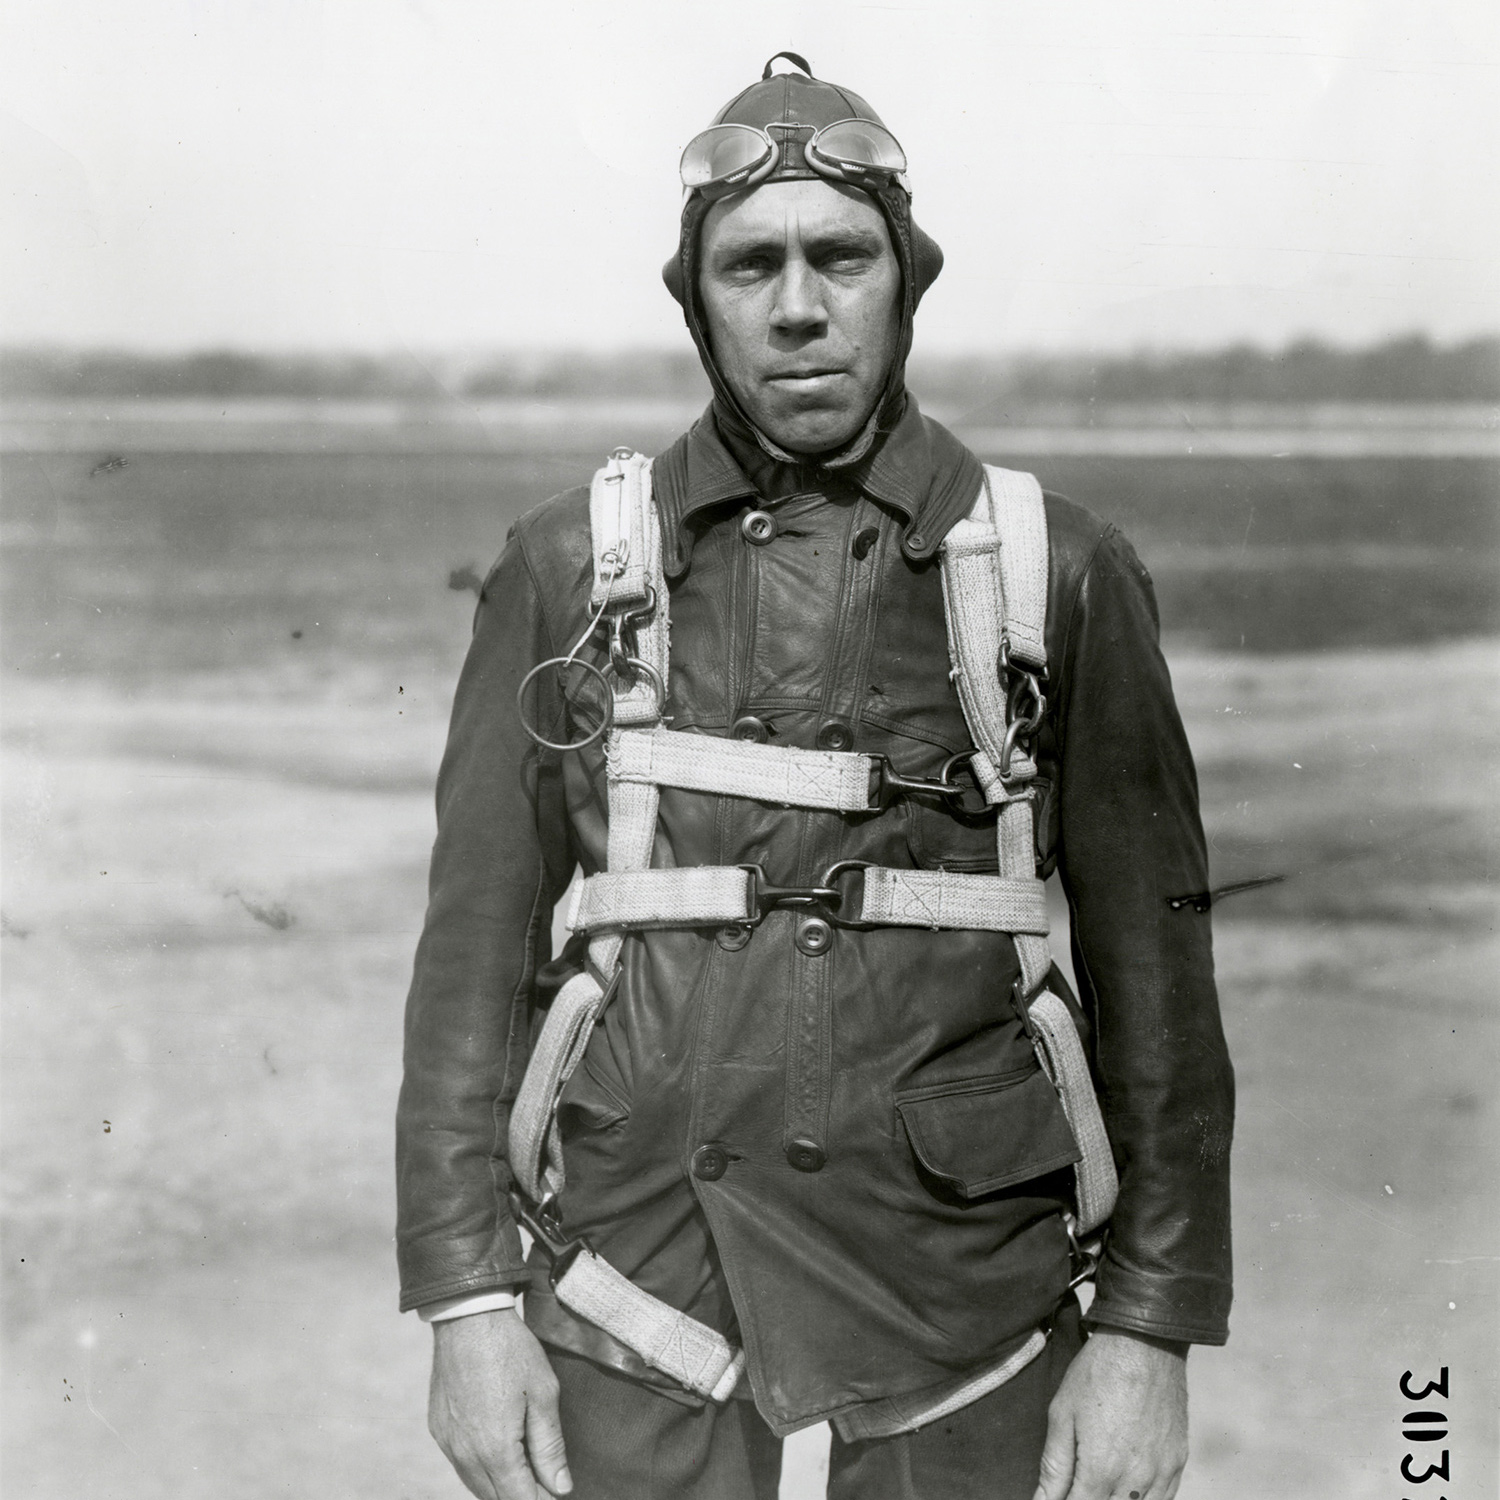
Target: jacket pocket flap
x=989 y=1133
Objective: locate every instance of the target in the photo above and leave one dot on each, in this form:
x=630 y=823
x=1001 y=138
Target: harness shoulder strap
x=629 y=585
x=1020 y=521
x=995 y=572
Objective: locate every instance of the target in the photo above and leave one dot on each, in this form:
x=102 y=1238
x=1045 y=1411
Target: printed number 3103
x=1425 y=1426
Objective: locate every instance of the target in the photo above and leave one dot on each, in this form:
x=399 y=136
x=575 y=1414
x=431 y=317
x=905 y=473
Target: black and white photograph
x=749 y=753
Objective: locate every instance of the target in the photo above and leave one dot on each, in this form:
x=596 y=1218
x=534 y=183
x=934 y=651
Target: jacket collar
x=918 y=469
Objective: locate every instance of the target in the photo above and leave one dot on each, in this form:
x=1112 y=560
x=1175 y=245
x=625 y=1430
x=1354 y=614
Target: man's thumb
x=544 y=1446
x=1058 y=1456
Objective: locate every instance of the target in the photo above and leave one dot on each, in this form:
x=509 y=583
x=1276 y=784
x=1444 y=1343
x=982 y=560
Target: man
x=827 y=1141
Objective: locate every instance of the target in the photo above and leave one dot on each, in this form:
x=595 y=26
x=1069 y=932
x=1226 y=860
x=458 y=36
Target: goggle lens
x=730 y=156
x=860 y=145
x=723 y=152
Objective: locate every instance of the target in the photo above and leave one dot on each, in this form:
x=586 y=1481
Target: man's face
x=801 y=292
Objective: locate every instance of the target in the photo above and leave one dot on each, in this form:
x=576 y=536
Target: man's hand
x=1117 y=1427
x=493 y=1408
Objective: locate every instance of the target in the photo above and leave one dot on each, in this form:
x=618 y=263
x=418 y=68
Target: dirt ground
x=212 y=894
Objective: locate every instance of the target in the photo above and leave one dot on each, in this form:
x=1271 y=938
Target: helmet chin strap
x=829 y=458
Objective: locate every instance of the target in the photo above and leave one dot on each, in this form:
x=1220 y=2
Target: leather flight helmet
x=802 y=99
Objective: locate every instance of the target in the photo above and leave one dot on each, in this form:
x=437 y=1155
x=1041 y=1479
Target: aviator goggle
x=727 y=158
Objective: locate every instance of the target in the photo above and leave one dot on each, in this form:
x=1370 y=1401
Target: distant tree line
x=1411 y=368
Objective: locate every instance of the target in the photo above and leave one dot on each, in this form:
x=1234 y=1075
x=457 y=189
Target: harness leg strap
x=668 y=1340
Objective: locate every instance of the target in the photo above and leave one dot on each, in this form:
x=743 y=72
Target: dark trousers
x=627 y=1442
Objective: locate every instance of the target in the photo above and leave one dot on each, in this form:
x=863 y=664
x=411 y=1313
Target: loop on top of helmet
x=791 y=57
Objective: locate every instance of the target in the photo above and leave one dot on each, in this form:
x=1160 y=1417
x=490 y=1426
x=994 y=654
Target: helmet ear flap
x=927 y=261
x=671 y=274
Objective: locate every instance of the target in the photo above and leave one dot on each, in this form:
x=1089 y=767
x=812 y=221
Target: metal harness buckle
x=762 y=896
x=545 y=1228
x=887 y=783
x=1085 y=1255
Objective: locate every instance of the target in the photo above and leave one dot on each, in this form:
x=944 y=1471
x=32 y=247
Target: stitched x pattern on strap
x=833 y=780
x=668 y=1340
x=944 y=898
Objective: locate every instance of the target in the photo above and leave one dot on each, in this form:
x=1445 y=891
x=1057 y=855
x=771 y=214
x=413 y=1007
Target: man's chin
x=809 y=433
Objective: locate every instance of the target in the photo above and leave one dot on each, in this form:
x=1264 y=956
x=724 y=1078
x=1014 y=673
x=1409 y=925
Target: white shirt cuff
x=462 y=1307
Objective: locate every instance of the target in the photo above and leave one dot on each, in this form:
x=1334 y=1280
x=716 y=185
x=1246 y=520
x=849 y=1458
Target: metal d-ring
x=635 y=667
x=609 y=702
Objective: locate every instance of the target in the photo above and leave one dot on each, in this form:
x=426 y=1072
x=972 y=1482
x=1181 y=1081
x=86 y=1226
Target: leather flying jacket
x=848 y=1159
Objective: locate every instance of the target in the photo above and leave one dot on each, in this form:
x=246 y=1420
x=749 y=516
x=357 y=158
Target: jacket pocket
x=589 y=1102
x=984 y=1134
x=939 y=838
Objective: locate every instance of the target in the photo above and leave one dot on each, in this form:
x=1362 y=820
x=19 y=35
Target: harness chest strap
x=832 y=780
x=718 y=895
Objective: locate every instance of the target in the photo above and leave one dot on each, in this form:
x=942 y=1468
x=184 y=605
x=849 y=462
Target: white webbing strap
x=1019 y=516
x=712 y=895
x=1096 y=1182
x=994 y=589
x=973 y=609
x=995 y=568
x=635 y=900
x=668 y=1340
x=619 y=514
x=832 y=780
x=945 y=898
x=628 y=572
x=535 y=1152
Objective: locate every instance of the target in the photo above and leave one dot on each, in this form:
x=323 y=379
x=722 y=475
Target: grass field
x=226 y=682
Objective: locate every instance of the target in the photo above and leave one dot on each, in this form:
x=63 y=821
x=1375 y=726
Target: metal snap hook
x=622 y=631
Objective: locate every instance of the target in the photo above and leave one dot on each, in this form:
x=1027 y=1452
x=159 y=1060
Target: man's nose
x=799 y=299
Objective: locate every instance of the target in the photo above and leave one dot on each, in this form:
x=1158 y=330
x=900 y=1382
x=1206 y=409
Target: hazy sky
x=438 y=173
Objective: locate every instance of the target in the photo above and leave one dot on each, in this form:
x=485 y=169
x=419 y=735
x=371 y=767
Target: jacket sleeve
x=1131 y=839
x=501 y=860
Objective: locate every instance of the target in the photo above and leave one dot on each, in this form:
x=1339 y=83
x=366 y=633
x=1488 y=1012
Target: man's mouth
x=801 y=377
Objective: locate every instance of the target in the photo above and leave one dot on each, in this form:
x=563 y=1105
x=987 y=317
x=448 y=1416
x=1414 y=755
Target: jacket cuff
x=507 y=1279
x=1106 y=1314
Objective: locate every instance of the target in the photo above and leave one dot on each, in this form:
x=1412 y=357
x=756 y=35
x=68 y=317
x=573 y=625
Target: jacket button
x=835 y=736
x=758 y=527
x=710 y=1163
x=805 y=1155
x=863 y=542
x=814 y=936
x=915 y=541
x=733 y=937
x=750 y=728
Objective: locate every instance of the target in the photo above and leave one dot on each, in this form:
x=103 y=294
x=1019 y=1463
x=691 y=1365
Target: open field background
x=226 y=679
